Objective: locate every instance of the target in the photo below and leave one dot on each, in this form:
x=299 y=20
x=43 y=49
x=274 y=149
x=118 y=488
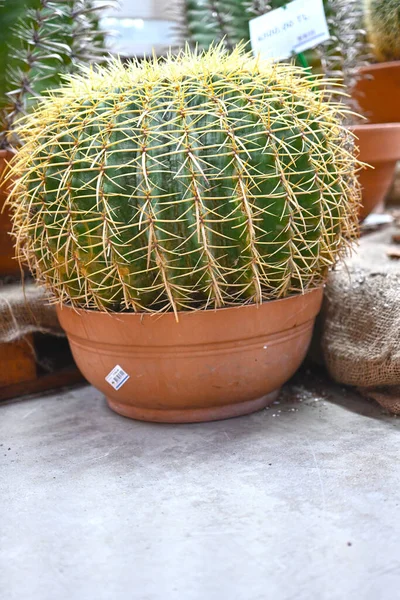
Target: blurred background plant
x=138 y=29
x=43 y=41
x=382 y=19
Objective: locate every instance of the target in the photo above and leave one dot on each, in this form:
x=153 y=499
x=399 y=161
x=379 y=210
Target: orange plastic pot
x=379 y=146
x=8 y=265
x=377 y=92
x=210 y=365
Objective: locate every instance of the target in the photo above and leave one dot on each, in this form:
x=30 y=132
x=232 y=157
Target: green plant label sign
x=294 y=28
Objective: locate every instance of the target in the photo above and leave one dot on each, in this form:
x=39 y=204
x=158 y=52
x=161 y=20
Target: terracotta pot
x=211 y=365
x=378 y=92
x=379 y=147
x=8 y=264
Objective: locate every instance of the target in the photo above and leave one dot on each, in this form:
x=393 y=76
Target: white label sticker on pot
x=117 y=377
x=296 y=27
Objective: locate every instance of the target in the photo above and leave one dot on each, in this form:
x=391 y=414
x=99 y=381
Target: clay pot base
x=191 y=415
x=210 y=365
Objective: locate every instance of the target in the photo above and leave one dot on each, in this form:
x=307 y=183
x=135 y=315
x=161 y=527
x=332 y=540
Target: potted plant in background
x=184 y=215
x=10 y=13
x=42 y=40
x=378 y=90
x=347 y=55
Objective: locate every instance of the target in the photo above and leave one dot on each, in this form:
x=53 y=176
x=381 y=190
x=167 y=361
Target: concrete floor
x=298 y=502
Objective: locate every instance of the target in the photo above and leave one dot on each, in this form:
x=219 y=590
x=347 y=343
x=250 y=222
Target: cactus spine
x=382 y=18
x=196 y=182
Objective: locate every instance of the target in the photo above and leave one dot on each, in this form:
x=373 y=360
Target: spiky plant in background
x=51 y=39
x=347 y=51
x=10 y=12
x=198 y=182
x=206 y=22
x=383 y=26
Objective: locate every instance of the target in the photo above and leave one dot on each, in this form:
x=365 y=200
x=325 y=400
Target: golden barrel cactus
x=201 y=181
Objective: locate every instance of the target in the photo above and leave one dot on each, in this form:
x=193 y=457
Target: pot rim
x=386 y=142
x=381 y=66
x=373 y=127
x=60 y=306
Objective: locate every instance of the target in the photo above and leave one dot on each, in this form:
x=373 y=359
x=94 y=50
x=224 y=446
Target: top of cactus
x=201 y=66
x=195 y=67
x=204 y=180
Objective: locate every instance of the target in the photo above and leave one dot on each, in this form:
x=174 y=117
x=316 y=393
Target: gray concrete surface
x=298 y=502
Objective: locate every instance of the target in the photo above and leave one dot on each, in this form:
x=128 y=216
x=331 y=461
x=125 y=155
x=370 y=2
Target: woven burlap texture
x=388 y=397
x=25 y=309
x=361 y=321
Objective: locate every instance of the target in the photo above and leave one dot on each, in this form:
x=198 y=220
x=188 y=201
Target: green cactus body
x=203 y=181
x=382 y=19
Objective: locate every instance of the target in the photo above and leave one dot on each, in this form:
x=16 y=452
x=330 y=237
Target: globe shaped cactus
x=201 y=181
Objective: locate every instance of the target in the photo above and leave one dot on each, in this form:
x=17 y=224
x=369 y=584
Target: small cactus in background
x=51 y=39
x=204 y=181
x=382 y=19
x=347 y=50
x=205 y=22
x=10 y=13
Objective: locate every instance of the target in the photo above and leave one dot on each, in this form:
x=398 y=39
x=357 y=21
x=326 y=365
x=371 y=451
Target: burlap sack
x=25 y=310
x=360 y=322
x=388 y=397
